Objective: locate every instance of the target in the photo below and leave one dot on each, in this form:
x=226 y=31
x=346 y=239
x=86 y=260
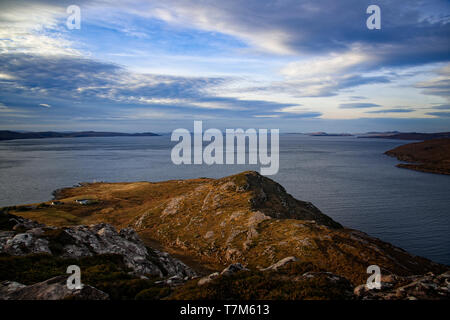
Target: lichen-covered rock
x=82 y=241
x=51 y=289
x=24 y=243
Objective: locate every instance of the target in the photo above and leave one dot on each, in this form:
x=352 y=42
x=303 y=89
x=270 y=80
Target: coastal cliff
x=241 y=231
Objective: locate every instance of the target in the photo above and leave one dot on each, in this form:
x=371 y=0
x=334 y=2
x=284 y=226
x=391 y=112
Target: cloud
x=357 y=98
x=324 y=66
x=321 y=26
x=358 y=105
x=290 y=114
x=325 y=76
x=439 y=114
x=75 y=84
x=442 y=107
x=335 y=49
x=34 y=27
x=319 y=86
x=302 y=115
x=438 y=86
x=4 y=108
x=5 y=76
x=395 y=110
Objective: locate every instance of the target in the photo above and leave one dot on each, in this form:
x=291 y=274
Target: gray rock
x=233 y=268
x=24 y=243
x=82 y=241
x=280 y=264
x=51 y=289
x=8 y=287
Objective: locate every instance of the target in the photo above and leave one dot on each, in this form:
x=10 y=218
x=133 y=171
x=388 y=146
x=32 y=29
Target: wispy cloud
x=442 y=107
x=439 y=85
x=358 y=105
x=439 y=114
x=394 y=110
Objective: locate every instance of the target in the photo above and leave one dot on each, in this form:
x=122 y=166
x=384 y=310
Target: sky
x=296 y=65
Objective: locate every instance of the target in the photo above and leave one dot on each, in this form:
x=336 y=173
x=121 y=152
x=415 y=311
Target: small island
x=431 y=156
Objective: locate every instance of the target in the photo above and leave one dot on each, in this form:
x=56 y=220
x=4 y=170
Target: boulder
x=51 y=289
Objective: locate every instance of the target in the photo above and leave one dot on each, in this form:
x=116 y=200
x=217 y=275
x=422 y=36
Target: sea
x=348 y=178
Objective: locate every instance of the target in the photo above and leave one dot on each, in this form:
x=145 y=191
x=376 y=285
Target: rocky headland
x=238 y=237
x=431 y=156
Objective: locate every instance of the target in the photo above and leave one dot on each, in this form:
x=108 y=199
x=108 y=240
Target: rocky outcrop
x=83 y=241
x=233 y=268
x=280 y=264
x=51 y=289
x=423 y=287
x=282 y=205
x=228 y=271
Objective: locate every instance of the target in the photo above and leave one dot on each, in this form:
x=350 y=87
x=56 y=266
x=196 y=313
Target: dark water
x=349 y=179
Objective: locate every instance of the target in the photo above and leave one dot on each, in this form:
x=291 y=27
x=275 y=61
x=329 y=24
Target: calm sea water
x=349 y=179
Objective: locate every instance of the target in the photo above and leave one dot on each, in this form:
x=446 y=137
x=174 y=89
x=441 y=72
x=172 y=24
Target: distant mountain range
x=13 y=135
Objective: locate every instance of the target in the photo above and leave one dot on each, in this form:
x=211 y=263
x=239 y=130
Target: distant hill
x=13 y=135
x=407 y=135
x=428 y=156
